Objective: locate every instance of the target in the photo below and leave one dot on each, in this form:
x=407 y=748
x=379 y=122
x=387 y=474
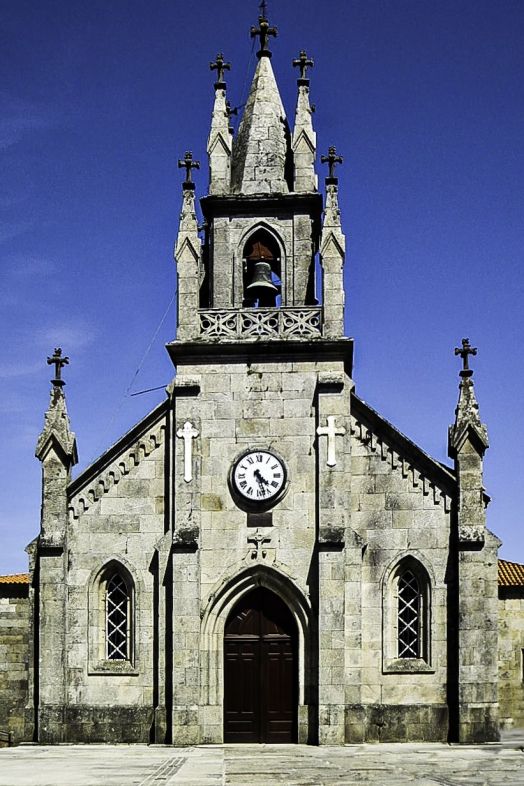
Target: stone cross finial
x=220 y=66
x=59 y=362
x=258 y=540
x=188 y=163
x=263 y=31
x=464 y=353
x=303 y=62
x=331 y=160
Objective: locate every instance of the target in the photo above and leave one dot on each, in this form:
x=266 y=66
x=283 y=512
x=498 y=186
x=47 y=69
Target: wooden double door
x=260 y=670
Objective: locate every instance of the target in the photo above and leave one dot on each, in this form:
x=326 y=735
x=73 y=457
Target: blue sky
x=425 y=101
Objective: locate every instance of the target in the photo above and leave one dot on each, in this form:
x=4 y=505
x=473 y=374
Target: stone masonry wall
x=122 y=523
x=14 y=657
x=271 y=405
x=511 y=654
x=398 y=515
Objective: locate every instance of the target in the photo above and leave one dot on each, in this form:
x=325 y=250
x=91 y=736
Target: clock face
x=259 y=476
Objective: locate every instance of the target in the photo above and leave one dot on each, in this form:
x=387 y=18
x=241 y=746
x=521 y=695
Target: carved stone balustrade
x=293 y=323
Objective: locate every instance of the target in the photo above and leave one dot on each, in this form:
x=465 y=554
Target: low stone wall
x=92 y=724
x=396 y=723
x=14 y=658
x=511 y=656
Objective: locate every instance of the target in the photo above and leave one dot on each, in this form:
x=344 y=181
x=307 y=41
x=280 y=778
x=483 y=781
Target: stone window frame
x=98 y=661
x=391 y=662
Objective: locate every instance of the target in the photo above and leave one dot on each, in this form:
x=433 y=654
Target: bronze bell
x=261 y=278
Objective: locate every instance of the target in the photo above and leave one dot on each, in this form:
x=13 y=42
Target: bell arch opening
x=262 y=271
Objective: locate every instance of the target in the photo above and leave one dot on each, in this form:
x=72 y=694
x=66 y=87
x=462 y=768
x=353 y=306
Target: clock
x=259 y=477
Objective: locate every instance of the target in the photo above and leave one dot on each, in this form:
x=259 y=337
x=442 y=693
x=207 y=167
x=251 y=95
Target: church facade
x=263 y=558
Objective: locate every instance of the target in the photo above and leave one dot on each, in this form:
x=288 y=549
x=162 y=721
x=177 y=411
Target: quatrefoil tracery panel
x=257 y=322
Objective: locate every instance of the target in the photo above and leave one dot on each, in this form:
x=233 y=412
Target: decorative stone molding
x=397 y=462
x=304 y=322
x=186 y=539
x=471 y=533
x=122 y=466
x=331 y=536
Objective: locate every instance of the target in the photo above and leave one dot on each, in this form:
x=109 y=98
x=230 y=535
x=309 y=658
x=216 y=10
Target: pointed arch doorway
x=260 y=670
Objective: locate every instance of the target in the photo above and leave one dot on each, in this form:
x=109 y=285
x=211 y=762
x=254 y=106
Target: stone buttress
x=56 y=450
x=477 y=586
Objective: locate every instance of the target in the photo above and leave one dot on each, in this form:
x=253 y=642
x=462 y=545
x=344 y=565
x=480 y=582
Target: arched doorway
x=260 y=670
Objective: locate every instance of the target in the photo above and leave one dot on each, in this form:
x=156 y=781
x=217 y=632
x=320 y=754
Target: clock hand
x=261 y=479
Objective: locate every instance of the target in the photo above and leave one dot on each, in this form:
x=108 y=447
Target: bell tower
x=263 y=220
x=261 y=416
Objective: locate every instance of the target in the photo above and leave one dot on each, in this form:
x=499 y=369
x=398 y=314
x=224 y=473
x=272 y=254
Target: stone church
x=263 y=558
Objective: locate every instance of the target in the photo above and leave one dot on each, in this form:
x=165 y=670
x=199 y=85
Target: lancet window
x=407 y=594
x=409 y=615
x=117 y=618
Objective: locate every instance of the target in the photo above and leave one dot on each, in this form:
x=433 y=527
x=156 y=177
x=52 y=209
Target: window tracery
x=407 y=617
x=409 y=608
x=117 y=607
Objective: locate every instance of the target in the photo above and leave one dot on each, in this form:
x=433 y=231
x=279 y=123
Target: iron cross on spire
x=465 y=351
x=188 y=163
x=263 y=31
x=332 y=160
x=303 y=62
x=220 y=66
x=58 y=362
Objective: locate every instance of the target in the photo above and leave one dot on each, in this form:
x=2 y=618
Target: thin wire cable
x=137 y=372
x=243 y=92
x=146 y=353
x=147 y=390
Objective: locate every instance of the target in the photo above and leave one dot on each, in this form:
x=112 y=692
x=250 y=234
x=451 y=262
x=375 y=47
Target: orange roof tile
x=15 y=578
x=511 y=574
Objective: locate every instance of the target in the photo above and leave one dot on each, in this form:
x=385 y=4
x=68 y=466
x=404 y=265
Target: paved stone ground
x=265 y=765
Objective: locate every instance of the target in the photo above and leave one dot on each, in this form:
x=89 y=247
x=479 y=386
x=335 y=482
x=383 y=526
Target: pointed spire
x=332 y=254
x=56 y=450
x=304 y=142
x=467 y=443
x=57 y=432
x=219 y=143
x=261 y=148
x=188 y=255
x=467 y=416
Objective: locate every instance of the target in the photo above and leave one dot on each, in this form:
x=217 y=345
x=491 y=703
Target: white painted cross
x=331 y=431
x=188 y=434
